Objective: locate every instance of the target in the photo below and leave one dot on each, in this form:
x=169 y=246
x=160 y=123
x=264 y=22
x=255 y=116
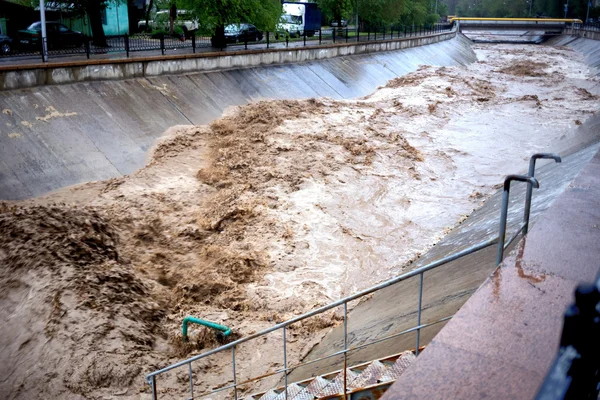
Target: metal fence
x=193 y=42
x=500 y=241
x=590 y=27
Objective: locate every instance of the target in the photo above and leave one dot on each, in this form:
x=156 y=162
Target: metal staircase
x=364 y=381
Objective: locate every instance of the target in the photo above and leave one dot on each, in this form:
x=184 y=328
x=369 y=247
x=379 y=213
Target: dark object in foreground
x=575 y=373
x=5 y=45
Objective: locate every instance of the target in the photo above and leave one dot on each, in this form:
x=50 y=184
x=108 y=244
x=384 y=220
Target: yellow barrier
x=575 y=21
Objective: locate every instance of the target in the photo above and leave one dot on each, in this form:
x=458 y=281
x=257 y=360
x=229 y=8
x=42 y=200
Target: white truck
x=298 y=19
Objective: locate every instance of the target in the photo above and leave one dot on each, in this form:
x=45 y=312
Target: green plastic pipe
x=184 y=326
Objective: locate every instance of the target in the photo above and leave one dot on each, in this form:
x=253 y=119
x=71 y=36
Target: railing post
x=345 y=348
x=384 y=33
x=234 y=375
x=153 y=385
x=375 y=34
x=504 y=210
x=357 y=34
x=529 y=194
x=304 y=36
x=162 y=43
x=87 y=47
x=285 y=374
x=191 y=381
x=246 y=43
x=287 y=40
x=267 y=40
x=419 y=313
x=346 y=33
x=369 y=34
x=127 y=49
x=194 y=42
x=320 y=35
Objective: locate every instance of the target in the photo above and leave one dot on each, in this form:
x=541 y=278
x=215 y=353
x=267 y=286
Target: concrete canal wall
x=15 y=77
x=54 y=136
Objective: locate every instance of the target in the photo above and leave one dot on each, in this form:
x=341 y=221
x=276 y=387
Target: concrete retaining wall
x=40 y=74
x=583 y=34
x=590 y=49
x=58 y=135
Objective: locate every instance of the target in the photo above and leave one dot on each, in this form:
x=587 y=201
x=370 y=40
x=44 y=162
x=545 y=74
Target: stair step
x=370 y=375
x=314 y=387
x=271 y=394
x=293 y=390
x=402 y=363
x=337 y=385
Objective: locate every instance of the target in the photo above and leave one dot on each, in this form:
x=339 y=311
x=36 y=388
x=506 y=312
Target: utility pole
x=530 y=6
x=356 y=27
x=44 y=37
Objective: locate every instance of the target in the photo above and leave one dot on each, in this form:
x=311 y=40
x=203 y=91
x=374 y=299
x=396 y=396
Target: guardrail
x=194 y=42
x=502 y=245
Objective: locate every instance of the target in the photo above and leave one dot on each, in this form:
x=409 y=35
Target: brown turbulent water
x=272 y=210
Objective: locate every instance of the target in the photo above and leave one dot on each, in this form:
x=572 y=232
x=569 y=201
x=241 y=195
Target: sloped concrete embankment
x=590 y=48
x=61 y=135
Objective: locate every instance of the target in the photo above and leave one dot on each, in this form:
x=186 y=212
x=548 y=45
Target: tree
x=214 y=15
x=337 y=10
x=381 y=12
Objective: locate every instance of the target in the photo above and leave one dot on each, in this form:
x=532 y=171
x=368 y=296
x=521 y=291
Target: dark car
x=5 y=45
x=57 y=35
x=242 y=33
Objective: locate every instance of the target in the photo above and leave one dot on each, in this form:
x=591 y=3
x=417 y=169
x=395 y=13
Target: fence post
x=369 y=34
x=346 y=33
x=375 y=34
x=287 y=40
x=267 y=39
x=162 y=43
x=304 y=36
x=404 y=30
x=194 y=42
x=333 y=34
x=384 y=33
x=127 y=45
x=357 y=34
x=320 y=30
x=87 y=47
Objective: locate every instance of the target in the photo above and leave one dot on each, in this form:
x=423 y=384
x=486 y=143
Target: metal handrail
x=500 y=241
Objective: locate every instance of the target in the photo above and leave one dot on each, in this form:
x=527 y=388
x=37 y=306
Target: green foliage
x=381 y=12
x=337 y=10
x=211 y=14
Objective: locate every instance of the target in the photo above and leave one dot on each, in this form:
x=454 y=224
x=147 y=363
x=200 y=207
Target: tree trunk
x=218 y=40
x=95 y=16
x=172 y=17
x=148 y=14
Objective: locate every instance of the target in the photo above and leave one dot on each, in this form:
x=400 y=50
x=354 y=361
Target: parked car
x=161 y=21
x=57 y=35
x=242 y=33
x=5 y=45
x=334 y=24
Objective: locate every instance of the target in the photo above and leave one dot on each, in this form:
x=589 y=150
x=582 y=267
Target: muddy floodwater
x=270 y=211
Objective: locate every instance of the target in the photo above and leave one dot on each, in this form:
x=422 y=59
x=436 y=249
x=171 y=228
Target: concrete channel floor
x=503 y=340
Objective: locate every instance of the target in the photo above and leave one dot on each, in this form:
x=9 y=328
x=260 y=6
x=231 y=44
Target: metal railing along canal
x=420 y=271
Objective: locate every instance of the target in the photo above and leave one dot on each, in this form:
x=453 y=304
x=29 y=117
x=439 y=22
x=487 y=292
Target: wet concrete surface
x=446 y=288
x=61 y=135
x=503 y=340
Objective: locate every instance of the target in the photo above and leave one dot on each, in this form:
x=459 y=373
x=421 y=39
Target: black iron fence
x=162 y=44
x=591 y=27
